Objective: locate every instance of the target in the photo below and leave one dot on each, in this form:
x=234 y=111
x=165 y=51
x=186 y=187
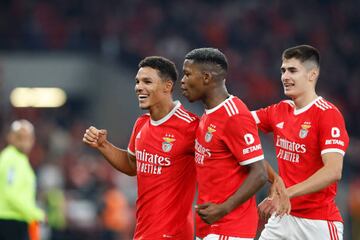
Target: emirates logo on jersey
x=209 y=133
x=304 y=130
x=168 y=142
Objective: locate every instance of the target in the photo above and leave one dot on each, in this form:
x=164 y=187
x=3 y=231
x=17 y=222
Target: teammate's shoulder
x=324 y=105
x=234 y=106
x=185 y=116
x=326 y=108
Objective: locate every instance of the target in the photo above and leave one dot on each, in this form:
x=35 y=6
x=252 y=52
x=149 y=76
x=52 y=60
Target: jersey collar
x=164 y=119
x=211 y=110
x=307 y=107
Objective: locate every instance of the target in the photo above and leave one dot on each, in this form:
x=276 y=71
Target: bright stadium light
x=38 y=97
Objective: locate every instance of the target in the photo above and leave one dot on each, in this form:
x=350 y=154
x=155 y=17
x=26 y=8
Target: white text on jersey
x=200 y=153
x=150 y=163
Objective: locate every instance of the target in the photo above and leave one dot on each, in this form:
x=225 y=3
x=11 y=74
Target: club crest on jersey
x=304 y=130
x=168 y=142
x=209 y=133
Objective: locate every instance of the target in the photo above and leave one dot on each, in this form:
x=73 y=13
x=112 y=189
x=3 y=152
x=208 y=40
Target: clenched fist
x=95 y=137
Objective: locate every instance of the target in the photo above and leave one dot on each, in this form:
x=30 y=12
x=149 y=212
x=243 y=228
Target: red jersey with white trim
x=226 y=141
x=301 y=136
x=166 y=177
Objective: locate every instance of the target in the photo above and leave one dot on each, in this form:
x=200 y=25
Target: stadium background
x=91 y=48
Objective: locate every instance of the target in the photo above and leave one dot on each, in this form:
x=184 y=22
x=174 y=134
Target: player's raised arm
x=118 y=158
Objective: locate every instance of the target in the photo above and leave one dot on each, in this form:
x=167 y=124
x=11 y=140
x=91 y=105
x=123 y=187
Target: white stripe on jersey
x=181 y=117
x=185 y=114
x=252 y=160
x=227 y=110
x=336 y=150
x=255 y=116
x=131 y=152
x=221 y=237
x=232 y=111
x=231 y=101
x=322 y=104
x=319 y=106
x=325 y=103
x=231 y=108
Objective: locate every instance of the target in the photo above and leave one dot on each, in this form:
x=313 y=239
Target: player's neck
x=305 y=99
x=161 y=109
x=215 y=97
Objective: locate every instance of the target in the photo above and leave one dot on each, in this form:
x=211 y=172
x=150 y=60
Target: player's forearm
x=255 y=180
x=118 y=158
x=318 y=181
x=272 y=175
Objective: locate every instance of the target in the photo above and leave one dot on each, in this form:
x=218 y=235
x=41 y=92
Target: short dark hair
x=208 y=55
x=302 y=53
x=166 y=67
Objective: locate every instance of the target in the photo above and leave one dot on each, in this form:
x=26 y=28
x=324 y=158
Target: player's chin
x=289 y=94
x=143 y=106
x=189 y=97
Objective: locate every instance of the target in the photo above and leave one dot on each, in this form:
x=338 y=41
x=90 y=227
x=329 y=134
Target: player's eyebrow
x=288 y=68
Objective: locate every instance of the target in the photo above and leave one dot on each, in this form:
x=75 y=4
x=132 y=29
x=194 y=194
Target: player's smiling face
x=149 y=87
x=295 y=78
x=192 y=83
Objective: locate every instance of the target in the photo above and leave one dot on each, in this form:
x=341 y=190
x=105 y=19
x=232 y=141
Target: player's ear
x=314 y=74
x=169 y=85
x=206 y=77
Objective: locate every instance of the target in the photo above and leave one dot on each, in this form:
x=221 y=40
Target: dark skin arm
x=211 y=212
x=120 y=159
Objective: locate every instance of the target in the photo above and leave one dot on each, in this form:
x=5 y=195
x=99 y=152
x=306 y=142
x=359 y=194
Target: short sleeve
x=191 y=133
x=136 y=133
x=241 y=137
x=333 y=134
x=262 y=118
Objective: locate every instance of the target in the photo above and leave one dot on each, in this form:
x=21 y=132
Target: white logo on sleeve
x=249 y=139
x=335 y=132
x=280 y=125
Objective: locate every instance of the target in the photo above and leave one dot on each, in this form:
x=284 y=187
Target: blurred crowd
x=253 y=35
x=83 y=196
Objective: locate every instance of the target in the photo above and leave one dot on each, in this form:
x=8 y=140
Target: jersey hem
x=131 y=152
x=335 y=150
x=252 y=160
x=236 y=235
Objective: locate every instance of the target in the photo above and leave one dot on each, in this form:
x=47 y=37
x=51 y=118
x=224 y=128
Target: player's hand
x=278 y=201
x=279 y=193
x=95 y=137
x=266 y=208
x=210 y=212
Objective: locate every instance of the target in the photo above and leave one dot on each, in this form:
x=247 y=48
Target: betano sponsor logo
x=251 y=149
x=334 y=142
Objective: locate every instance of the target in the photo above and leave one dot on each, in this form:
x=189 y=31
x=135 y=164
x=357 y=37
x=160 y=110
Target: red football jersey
x=226 y=141
x=301 y=136
x=166 y=177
